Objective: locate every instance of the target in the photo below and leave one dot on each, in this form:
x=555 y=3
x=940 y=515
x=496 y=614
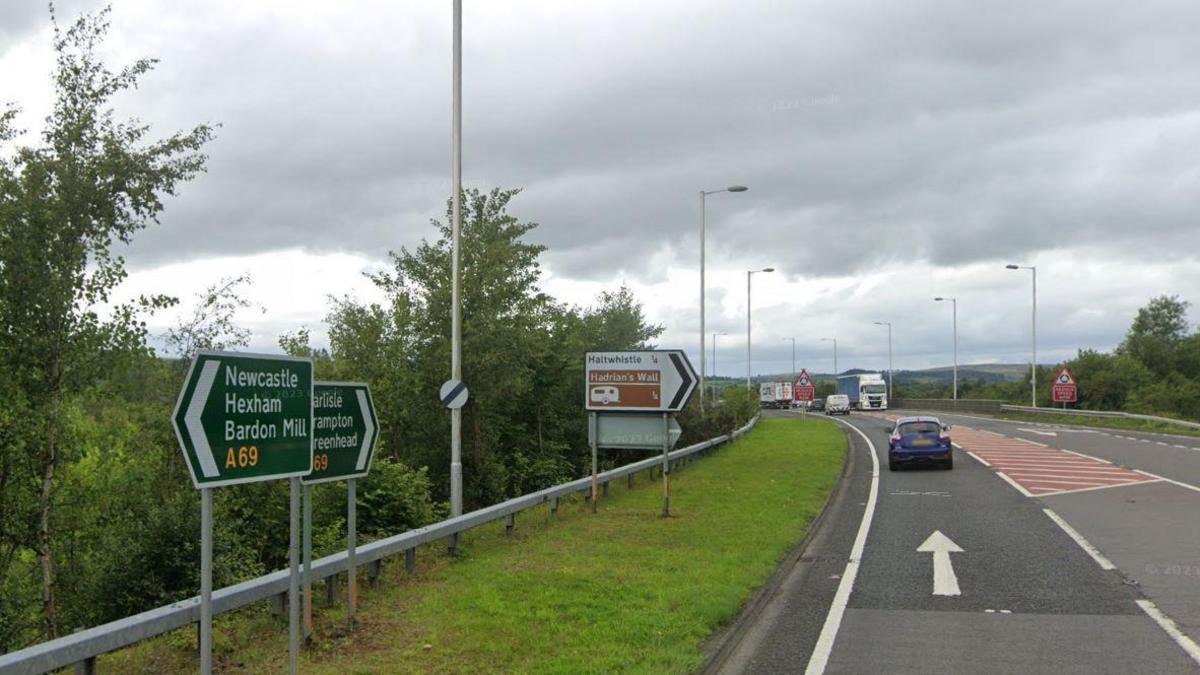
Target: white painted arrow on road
x=944 y=580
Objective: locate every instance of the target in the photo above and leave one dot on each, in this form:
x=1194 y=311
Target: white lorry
x=867 y=391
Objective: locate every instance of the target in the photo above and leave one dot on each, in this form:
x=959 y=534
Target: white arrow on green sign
x=344 y=431
x=243 y=418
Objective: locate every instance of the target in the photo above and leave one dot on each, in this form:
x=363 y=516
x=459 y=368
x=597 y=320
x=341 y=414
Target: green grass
x=1122 y=423
x=624 y=590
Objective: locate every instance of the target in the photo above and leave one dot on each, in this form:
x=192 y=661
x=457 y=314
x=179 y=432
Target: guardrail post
x=554 y=506
x=604 y=489
x=410 y=561
x=510 y=521
x=331 y=590
x=277 y=604
x=629 y=481
x=373 y=573
x=86 y=666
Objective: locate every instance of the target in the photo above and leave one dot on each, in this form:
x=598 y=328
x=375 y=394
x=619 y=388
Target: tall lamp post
x=456 y=496
x=954 y=301
x=793 y=358
x=1033 y=335
x=889 y=327
x=703 y=198
x=835 y=368
x=714 y=362
x=749 y=274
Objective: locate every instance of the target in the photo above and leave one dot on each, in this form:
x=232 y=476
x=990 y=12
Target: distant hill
x=985 y=372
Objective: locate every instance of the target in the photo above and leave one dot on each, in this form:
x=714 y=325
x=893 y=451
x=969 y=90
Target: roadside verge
x=620 y=590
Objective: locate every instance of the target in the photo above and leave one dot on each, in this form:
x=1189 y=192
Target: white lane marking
x=1040 y=433
x=1166 y=623
x=1162 y=443
x=1172 y=481
x=1098 y=487
x=1104 y=563
x=1026 y=440
x=945 y=582
x=977 y=457
x=993 y=433
x=1181 y=447
x=1080 y=454
x=1014 y=483
x=837 y=609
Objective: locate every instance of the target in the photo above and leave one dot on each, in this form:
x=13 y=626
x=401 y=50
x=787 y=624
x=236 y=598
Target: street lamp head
x=1012 y=267
x=737 y=188
x=883 y=323
x=938 y=299
x=768 y=269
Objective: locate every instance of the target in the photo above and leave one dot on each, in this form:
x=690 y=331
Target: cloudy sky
x=894 y=152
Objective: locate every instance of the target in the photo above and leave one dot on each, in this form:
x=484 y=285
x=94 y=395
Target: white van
x=837 y=404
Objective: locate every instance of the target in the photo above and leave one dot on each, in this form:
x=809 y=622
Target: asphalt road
x=1031 y=598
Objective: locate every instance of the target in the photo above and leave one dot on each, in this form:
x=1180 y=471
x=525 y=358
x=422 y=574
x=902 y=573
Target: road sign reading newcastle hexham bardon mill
x=243 y=418
x=344 y=431
x=652 y=381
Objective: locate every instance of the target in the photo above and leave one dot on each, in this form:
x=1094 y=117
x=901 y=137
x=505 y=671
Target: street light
x=703 y=195
x=749 y=273
x=955 y=302
x=835 y=368
x=793 y=358
x=714 y=361
x=1033 y=335
x=456 y=495
x=889 y=325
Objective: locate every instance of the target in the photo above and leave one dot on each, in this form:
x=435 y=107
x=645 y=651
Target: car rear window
x=919 y=428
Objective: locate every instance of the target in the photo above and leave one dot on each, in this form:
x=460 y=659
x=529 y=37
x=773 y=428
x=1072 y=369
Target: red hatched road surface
x=1039 y=470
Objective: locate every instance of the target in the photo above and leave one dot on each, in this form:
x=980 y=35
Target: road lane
x=1031 y=598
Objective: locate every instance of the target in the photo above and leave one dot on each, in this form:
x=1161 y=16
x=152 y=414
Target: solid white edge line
x=837 y=609
x=1168 y=624
x=1104 y=563
x=1026 y=440
x=1098 y=487
x=1014 y=483
x=1080 y=454
x=977 y=457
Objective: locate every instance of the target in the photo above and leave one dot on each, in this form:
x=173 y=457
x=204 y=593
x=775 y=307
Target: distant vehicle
x=766 y=395
x=920 y=440
x=606 y=394
x=867 y=391
x=837 y=404
x=816 y=405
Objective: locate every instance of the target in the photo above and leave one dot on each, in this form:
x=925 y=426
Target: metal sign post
x=294 y=577
x=307 y=525
x=666 y=466
x=206 y=611
x=351 y=535
x=595 y=462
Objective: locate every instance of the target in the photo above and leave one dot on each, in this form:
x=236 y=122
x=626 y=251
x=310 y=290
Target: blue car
x=920 y=440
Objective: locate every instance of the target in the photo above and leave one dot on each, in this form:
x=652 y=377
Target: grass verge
x=624 y=590
x=1121 y=423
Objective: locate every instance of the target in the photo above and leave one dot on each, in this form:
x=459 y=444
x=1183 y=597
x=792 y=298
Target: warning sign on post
x=804 y=389
x=1065 y=390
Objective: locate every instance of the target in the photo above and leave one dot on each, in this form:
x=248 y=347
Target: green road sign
x=344 y=431
x=243 y=418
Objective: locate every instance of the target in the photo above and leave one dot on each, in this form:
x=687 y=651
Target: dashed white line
x=1104 y=563
x=1166 y=623
x=837 y=609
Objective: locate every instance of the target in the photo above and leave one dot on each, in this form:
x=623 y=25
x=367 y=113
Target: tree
x=92 y=182
x=1156 y=332
x=212 y=324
